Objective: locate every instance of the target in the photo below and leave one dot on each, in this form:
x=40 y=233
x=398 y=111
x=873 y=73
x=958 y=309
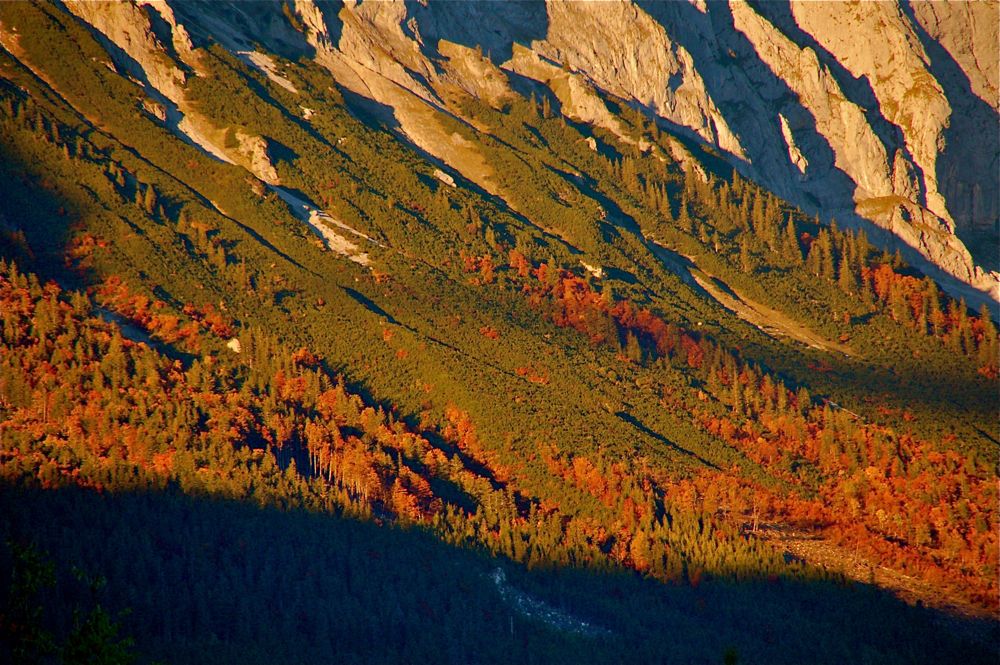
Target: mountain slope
x=900 y=138
x=331 y=259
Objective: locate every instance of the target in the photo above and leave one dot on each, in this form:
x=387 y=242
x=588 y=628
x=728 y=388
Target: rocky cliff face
x=876 y=114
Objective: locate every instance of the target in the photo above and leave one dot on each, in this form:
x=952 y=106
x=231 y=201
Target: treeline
x=757 y=234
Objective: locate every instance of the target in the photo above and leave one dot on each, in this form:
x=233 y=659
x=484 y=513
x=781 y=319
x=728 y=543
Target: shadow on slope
x=34 y=223
x=967 y=174
x=492 y=26
x=211 y=581
x=732 y=68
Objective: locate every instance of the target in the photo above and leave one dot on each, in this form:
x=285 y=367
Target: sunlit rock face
x=873 y=113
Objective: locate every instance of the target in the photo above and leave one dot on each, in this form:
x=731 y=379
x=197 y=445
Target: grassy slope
x=433 y=312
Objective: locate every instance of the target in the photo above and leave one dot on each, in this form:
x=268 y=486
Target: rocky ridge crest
x=896 y=131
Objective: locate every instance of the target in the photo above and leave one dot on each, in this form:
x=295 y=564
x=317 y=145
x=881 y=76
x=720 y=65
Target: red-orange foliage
x=305 y=358
x=924 y=509
x=533 y=375
x=462 y=433
x=154 y=317
x=574 y=304
x=920 y=302
x=481 y=264
x=891 y=495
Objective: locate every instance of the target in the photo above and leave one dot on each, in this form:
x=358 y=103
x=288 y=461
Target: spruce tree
x=845 y=278
x=746 y=260
x=988 y=346
x=827 y=265
x=792 y=251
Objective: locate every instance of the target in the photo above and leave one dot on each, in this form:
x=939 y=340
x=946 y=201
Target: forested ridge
x=534 y=382
x=271 y=427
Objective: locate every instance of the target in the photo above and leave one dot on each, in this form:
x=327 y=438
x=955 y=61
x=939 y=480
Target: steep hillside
x=553 y=290
x=897 y=132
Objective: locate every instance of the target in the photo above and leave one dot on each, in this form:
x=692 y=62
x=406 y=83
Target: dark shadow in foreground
x=212 y=581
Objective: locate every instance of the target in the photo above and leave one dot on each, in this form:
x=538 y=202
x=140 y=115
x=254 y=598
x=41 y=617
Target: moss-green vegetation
x=444 y=329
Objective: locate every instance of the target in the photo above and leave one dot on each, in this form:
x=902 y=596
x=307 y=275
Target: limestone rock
x=894 y=64
x=969 y=33
x=155 y=109
x=787 y=92
x=128 y=26
x=470 y=70
x=254 y=150
x=444 y=177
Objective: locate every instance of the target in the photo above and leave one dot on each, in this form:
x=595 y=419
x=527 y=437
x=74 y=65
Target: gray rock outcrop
x=874 y=113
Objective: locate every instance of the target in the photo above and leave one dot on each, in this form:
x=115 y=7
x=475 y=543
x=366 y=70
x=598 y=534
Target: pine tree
x=845 y=249
x=663 y=206
x=814 y=262
x=746 y=260
x=954 y=325
x=897 y=304
x=475 y=223
x=965 y=327
x=737 y=398
x=704 y=233
x=934 y=314
x=792 y=250
x=630 y=176
x=491 y=236
x=690 y=183
x=862 y=248
x=769 y=228
x=845 y=278
x=782 y=403
x=827 y=266
x=756 y=220
x=804 y=400
x=552 y=273
x=988 y=346
x=442 y=204
x=633 y=350
x=923 y=315
x=683 y=217
x=608 y=294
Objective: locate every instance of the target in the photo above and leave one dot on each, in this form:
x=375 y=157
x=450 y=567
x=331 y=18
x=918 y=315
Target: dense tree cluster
x=84 y=405
x=621 y=433
x=924 y=507
x=758 y=234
